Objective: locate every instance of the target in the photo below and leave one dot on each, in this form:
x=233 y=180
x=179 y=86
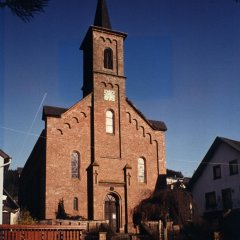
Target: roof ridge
x=208 y=155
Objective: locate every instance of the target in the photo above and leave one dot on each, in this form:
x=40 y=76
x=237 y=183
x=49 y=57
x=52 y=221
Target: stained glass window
x=141 y=170
x=75 y=165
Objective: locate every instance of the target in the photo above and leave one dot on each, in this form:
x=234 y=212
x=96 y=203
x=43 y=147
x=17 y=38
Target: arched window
x=75 y=164
x=109 y=121
x=108 y=58
x=141 y=170
x=75 y=204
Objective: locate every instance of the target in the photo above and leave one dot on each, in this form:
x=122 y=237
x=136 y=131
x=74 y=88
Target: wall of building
x=32 y=180
x=206 y=182
x=65 y=135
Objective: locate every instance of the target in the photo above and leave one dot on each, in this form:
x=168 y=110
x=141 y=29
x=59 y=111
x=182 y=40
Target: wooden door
x=112 y=211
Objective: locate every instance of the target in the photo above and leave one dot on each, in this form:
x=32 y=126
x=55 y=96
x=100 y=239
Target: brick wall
x=108 y=162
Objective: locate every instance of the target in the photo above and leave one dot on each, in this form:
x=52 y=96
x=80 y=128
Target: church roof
x=156 y=125
x=205 y=162
x=101 y=17
x=50 y=111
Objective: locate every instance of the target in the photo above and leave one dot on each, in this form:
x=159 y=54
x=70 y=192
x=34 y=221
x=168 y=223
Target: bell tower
x=103 y=53
x=103 y=77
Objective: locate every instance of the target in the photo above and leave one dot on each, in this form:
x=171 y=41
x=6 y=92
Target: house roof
x=219 y=140
x=101 y=16
x=4 y=155
x=156 y=125
x=174 y=174
x=10 y=203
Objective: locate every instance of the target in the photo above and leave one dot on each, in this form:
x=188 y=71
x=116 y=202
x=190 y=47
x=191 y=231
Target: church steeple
x=101 y=17
x=103 y=52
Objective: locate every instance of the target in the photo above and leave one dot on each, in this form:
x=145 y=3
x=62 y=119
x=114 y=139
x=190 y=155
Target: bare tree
x=165 y=204
x=25 y=9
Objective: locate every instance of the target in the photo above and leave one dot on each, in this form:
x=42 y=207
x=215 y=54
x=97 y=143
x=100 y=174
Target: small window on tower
x=108 y=58
x=109 y=121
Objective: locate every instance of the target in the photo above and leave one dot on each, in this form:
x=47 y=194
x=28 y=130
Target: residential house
x=11 y=209
x=5 y=160
x=215 y=185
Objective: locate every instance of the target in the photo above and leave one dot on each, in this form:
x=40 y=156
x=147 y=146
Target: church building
x=101 y=156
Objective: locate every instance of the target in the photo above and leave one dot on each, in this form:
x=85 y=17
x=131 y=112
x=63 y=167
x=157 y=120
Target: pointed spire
x=101 y=17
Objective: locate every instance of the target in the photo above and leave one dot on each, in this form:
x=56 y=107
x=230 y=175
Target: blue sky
x=182 y=62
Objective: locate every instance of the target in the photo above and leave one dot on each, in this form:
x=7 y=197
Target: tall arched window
x=108 y=58
x=75 y=164
x=109 y=121
x=75 y=204
x=141 y=170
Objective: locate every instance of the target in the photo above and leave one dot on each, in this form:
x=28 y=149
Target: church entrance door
x=112 y=211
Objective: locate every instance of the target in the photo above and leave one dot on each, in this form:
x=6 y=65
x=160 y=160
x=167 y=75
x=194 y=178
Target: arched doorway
x=112 y=210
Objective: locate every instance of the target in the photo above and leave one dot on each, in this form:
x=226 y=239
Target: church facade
x=102 y=155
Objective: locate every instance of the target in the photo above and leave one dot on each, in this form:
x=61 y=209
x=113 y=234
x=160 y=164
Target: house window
x=141 y=170
x=109 y=121
x=233 y=167
x=75 y=204
x=217 y=172
x=227 y=199
x=211 y=201
x=75 y=165
x=108 y=58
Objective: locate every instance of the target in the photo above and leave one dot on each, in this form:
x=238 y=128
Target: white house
x=215 y=185
x=5 y=160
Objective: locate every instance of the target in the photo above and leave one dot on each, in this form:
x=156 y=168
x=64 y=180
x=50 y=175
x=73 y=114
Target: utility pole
x=5 y=160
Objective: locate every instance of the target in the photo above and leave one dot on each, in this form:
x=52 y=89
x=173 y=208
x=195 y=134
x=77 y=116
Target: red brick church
x=102 y=155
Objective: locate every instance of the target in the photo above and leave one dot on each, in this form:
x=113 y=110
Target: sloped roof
x=4 y=155
x=233 y=143
x=174 y=174
x=51 y=111
x=10 y=203
x=102 y=17
x=219 y=140
x=156 y=125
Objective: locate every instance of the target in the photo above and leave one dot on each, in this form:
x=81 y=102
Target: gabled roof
x=219 y=140
x=101 y=17
x=156 y=125
x=174 y=174
x=4 y=155
x=51 y=111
